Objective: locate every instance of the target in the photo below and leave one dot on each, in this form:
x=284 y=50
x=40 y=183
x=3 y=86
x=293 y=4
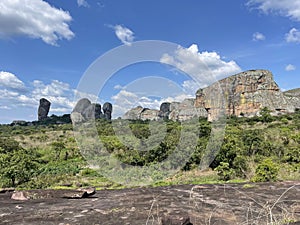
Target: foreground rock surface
x=184 y=205
x=48 y=194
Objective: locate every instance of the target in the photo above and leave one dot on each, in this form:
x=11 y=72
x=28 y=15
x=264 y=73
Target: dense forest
x=258 y=149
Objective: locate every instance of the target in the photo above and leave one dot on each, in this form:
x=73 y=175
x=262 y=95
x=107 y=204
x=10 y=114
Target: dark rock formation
x=107 y=110
x=43 y=109
x=85 y=110
x=164 y=110
x=98 y=112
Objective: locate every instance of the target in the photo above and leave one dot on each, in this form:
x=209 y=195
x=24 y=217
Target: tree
x=17 y=165
x=267 y=170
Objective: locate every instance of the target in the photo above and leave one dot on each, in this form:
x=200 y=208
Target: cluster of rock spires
x=85 y=110
x=243 y=94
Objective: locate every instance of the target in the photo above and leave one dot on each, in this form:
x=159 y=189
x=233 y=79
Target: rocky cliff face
x=243 y=94
x=294 y=97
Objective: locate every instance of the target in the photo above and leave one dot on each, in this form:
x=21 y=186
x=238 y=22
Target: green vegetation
x=46 y=155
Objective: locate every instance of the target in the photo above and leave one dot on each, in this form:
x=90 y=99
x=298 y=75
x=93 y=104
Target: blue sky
x=46 y=47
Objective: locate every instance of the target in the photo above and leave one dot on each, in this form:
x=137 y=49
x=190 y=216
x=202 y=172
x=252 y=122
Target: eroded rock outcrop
x=186 y=110
x=140 y=113
x=294 y=97
x=107 y=110
x=244 y=94
x=85 y=110
x=43 y=109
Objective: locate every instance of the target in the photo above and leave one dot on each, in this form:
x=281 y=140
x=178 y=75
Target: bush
x=224 y=171
x=267 y=170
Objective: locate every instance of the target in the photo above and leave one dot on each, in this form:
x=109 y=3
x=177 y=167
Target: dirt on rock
x=265 y=203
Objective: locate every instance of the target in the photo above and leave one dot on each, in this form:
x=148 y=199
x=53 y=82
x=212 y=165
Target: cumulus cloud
x=125 y=35
x=293 y=36
x=34 y=19
x=258 y=36
x=12 y=94
x=286 y=8
x=83 y=3
x=290 y=67
x=10 y=81
x=204 y=67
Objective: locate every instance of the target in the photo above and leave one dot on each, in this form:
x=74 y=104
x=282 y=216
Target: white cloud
x=118 y=87
x=56 y=88
x=190 y=87
x=258 y=36
x=125 y=35
x=293 y=36
x=290 y=67
x=10 y=81
x=34 y=19
x=4 y=107
x=13 y=96
x=83 y=3
x=203 y=67
x=286 y=8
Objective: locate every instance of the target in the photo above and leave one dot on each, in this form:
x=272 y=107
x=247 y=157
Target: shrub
x=224 y=171
x=267 y=170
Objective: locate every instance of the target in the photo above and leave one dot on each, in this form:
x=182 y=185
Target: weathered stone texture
x=294 y=97
x=244 y=94
x=85 y=110
x=43 y=109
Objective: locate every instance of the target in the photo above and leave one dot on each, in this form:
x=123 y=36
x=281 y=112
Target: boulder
x=89 y=190
x=20 y=196
x=50 y=194
x=82 y=105
x=43 y=109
